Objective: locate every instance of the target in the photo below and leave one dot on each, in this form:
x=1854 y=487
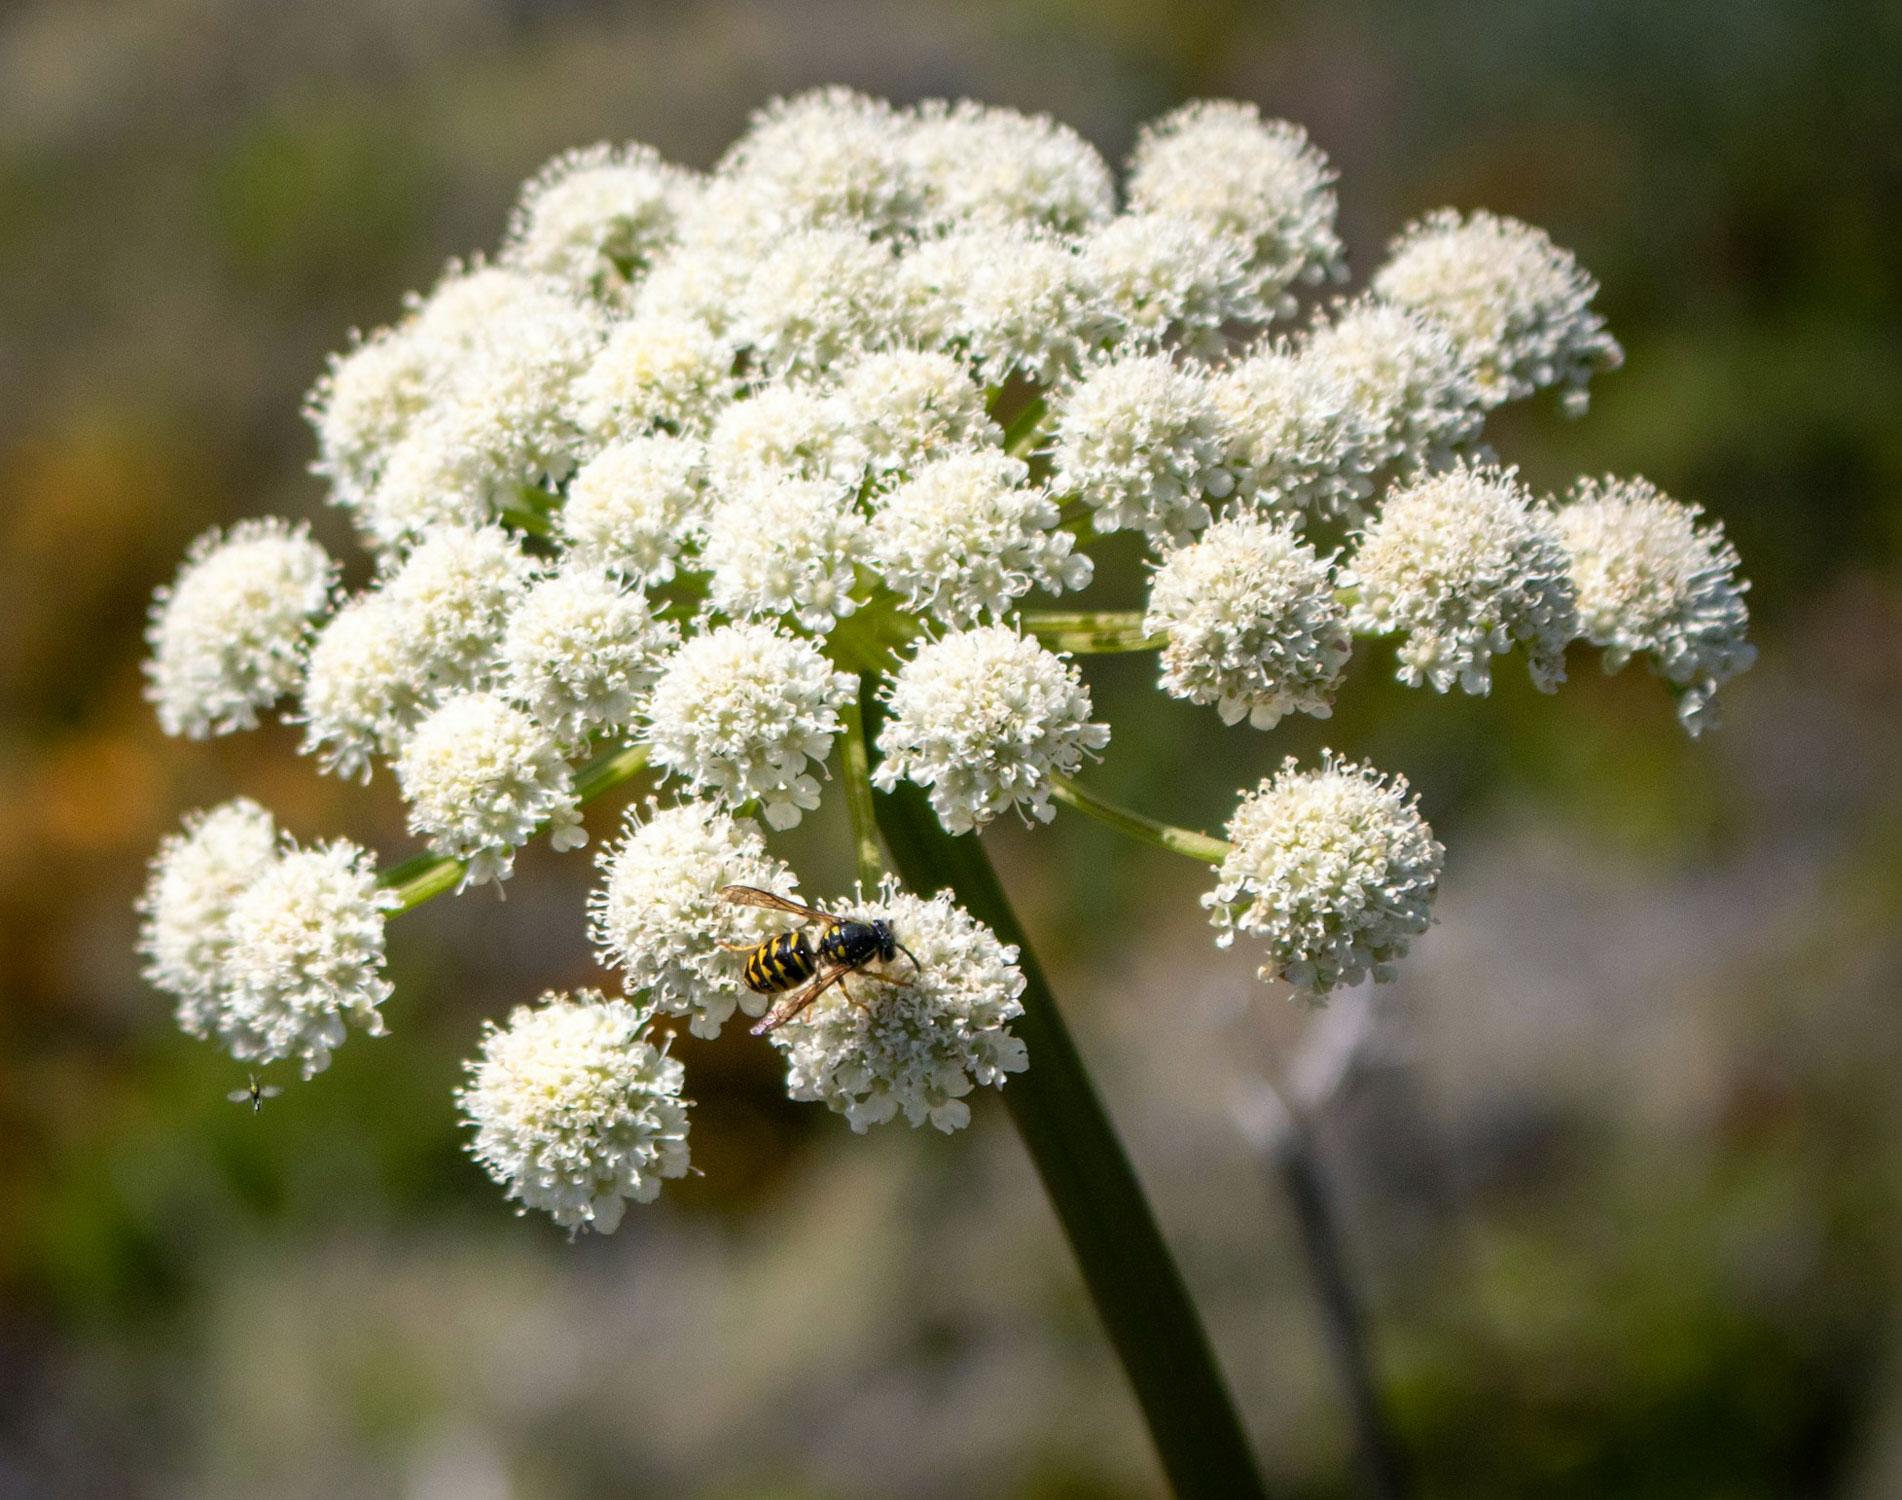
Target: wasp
x=254 y=1093
x=791 y=966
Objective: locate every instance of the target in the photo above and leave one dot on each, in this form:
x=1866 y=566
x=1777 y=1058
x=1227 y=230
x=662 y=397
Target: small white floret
x=658 y=372
x=907 y=406
x=637 y=507
x=595 y=219
x=1407 y=380
x=981 y=162
x=1164 y=277
x=817 y=298
x=364 y=686
x=1300 y=441
x=785 y=547
x=580 y=652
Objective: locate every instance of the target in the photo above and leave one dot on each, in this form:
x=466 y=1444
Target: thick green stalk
x=1091 y=632
x=855 y=771
x=1132 y=1278
x=1202 y=846
x=423 y=877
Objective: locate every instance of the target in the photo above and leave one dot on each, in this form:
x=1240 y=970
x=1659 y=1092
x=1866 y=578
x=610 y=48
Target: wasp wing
x=749 y=895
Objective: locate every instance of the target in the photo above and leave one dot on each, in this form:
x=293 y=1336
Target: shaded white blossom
x=580 y=652
x=1261 y=181
x=185 y=911
x=1162 y=276
x=1334 y=870
x=1653 y=578
x=657 y=371
x=920 y=1046
x=1252 y=623
x=964 y=537
x=1143 y=443
x=574 y=1111
x=1413 y=391
x=785 y=547
x=480 y=777
x=1299 y=440
x=228 y=636
x=637 y=506
x=1462 y=566
x=305 y=956
x=976 y=161
x=657 y=915
x=741 y=711
x=905 y=406
x=982 y=719
x=1519 y=307
x=595 y=218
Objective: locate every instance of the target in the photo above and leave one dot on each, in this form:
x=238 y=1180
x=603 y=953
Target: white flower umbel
x=1518 y=306
x=981 y=720
x=818 y=297
x=979 y=162
x=306 y=956
x=740 y=712
x=1462 y=565
x=228 y=635
x=1410 y=386
x=364 y=686
x=637 y=506
x=1016 y=300
x=827 y=157
x=1300 y=441
x=480 y=776
x=782 y=431
x=595 y=219
x=363 y=405
x=964 y=538
x=1252 y=623
x=454 y=593
x=920 y=1046
x=905 y=406
x=657 y=372
x=658 y=916
x=581 y=650
x=1335 y=870
x=1652 y=579
x=575 y=1112
x=1142 y=442
x=785 y=547
x=1261 y=181
x=185 y=911
x=1164 y=277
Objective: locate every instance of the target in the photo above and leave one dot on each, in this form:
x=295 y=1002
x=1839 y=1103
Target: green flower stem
x=1202 y=846
x=1132 y=1278
x=855 y=770
x=1089 y=633
x=1027 y=428
x=525 y=517
x=426 y=876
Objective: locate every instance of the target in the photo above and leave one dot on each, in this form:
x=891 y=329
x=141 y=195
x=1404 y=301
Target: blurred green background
x=1624 y=1187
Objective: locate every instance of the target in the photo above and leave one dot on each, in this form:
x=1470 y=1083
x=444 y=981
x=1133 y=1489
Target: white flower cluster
x=697 y=460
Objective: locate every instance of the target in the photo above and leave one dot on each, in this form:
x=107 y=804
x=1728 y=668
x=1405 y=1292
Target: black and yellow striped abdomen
x=780 y=964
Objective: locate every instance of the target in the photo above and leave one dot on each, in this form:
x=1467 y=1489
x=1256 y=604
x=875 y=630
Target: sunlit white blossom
x=905 y=406
x=228 y=636
x=594 y=219
x=980 y=162
x=817 y=297
x=872 y=1051
x=1163 y=276
x=480 y=777
x=637 y=506
x=580 y=652
x=658 y=917
x=363 y=405
x=965 y=537
x=785 y=547
x=1252 y=623
x=1416 y=397
x=656 y=372
x=364 y=686
x=1653 y=577
x=783 y=431
x=982 y=719
x=1142 y=442
x=1298 y=438
x=454 y=593
x=829 y=157
x=575 y=1111
x=1334 y=870
x=1519 y=307
x=742 y=711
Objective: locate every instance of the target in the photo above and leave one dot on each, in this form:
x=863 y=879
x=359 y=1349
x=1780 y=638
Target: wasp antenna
x=916 y=967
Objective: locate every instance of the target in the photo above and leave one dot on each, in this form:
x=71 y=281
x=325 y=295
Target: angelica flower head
x=1418 y=399
x=979 y=162
x=1163 y=276
x=783 y=431
x=594 y=219
x=228 y=636
x=741 y=711
x=1143 y=443
x=480 y=776
x=982 y=719
x=636 y=506
x=658 y=371
x=907 y=406
x=1462 y=566
x=364 y=686
x=575 y=1111
x=785 y=547
x=658 y=917
x=1299 y=441
x=580 y=652
x=827 y=158
x=1261 y=181
x=305 y=956
x=1518 y=306
x=363 y=405
x=917 y=1047
x=1252 y=622
x=454 y=593
x=964 y=538
x=196 y=877
x=1653 y=578
x=1334 y=870
x=816 y=298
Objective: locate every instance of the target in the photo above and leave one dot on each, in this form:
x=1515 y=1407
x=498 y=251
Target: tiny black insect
x=254 y=1093
x=791 y=966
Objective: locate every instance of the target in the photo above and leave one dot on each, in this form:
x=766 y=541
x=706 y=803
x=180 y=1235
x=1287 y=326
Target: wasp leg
x=738 y=947
x=797 y=1001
